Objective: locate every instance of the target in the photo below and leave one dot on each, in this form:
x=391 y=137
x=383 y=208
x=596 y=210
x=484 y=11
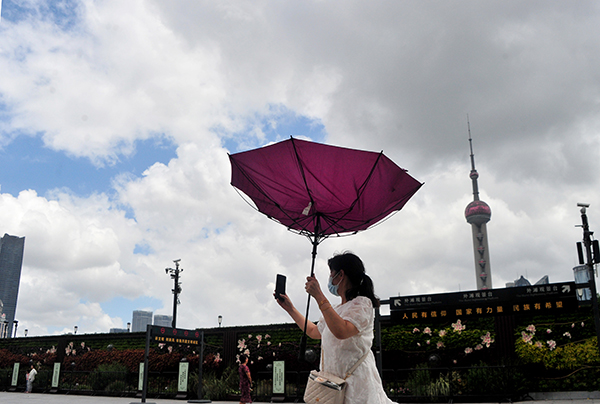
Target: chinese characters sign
x=175 y=335
x=537 y=299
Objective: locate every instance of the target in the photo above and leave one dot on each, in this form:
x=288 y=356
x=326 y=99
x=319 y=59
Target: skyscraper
x=162 y=320
x=11 y=260
x=478 y=213
x=140 y=320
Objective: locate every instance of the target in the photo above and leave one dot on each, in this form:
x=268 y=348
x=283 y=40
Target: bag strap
x=353 y=368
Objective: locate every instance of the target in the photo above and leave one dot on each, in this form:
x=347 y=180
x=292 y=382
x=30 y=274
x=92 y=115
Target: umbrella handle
x=302 y=353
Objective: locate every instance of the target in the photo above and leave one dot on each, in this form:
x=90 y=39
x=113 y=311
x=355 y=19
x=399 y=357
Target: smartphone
x=280 y=286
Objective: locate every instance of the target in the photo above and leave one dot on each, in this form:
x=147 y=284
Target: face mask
x=333 y=288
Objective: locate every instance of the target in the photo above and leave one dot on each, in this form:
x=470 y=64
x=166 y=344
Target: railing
x=424 y=384
x=160 y=384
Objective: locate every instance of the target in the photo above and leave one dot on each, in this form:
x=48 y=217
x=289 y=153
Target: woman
x=245 y=380
x=346 y=329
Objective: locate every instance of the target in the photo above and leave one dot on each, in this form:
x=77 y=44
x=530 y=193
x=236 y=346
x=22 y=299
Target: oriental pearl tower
x=478 y=213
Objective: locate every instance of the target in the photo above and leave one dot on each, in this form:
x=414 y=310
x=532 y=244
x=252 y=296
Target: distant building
x=118 y=330
x=162 y=320
x=11 y=260
x=522 y=281
x=140 y=320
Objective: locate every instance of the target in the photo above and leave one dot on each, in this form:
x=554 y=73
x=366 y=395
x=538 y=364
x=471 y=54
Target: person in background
x=30 y=379
x=245 y=380
x=345 y=329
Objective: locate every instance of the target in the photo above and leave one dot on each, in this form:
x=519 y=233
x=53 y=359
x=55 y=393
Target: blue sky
x=25 y=163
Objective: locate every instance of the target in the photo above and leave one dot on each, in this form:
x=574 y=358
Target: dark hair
x=354 y=269
x=243 y=359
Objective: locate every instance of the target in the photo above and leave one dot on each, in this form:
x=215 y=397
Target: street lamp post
x=16 y=324
x=591 y=259
x=128 y=327
x=220 y=319
x=26 y=331
x=176 y=288
x=75 y=330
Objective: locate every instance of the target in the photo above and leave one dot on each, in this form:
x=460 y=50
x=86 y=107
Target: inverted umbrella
x=319 y=190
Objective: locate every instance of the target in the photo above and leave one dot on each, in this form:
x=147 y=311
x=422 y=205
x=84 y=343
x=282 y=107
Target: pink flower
x=478 y=347
x=427 y=330
x=573 y=325
x=440 y=345
x=530 y=328
x=442 y=333
x=259 y=358
x=249 y=336
x=488 y=340
x=416 y=330
x=267 y=336
x=268 y=343
x=567 y=334
x=458 y=327
x=259 y=338
x=551 y=344
x=548 y=331
x=539 y=344
x=247 y=352
x=526 y=337
x=468 y=350
x=241 y=344
x=428 y=342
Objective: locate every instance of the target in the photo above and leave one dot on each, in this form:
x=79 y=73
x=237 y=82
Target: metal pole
x=175 y=294
x=587 y=241
x=378 y=355
x=201 y=360
x=146 y=363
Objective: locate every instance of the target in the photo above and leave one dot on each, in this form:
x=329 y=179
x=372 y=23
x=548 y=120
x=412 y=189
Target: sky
x=117 y=117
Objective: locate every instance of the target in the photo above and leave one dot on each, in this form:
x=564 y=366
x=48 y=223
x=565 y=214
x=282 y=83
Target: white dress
x=339 y=355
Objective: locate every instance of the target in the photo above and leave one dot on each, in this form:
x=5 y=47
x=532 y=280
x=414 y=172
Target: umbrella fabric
x=321 y=190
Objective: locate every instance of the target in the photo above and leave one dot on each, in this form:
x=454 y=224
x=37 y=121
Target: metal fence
x=160 y=384
x=423 y=384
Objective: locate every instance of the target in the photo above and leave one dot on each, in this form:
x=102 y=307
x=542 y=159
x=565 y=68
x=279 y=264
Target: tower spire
x=474 y=174
x=478 y=213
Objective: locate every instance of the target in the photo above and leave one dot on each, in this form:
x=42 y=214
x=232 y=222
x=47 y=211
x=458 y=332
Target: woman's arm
x=340 y=328
x=311 y=329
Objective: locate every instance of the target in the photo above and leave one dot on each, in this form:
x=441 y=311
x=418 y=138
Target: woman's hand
x=313 y=288
x=285 y=302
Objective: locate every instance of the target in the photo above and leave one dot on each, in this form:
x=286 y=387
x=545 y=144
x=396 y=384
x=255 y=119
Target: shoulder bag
x=325 y=388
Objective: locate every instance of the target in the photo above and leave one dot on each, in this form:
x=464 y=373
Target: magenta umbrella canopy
x=319 y=190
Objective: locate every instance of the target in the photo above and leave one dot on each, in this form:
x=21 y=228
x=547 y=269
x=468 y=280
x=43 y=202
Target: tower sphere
x=478 y=212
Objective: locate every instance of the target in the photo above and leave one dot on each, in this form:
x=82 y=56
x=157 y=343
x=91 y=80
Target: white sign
x=183 y=376
x=278 y=377
x=56 y=374
x=15 y=375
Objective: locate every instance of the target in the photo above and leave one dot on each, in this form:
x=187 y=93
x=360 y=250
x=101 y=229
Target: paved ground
x=34 y=398
x=19 y=398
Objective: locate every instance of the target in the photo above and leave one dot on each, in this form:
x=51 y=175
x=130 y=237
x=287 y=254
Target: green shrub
x=117 y=386
x=106 y=374
x=215 y=387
